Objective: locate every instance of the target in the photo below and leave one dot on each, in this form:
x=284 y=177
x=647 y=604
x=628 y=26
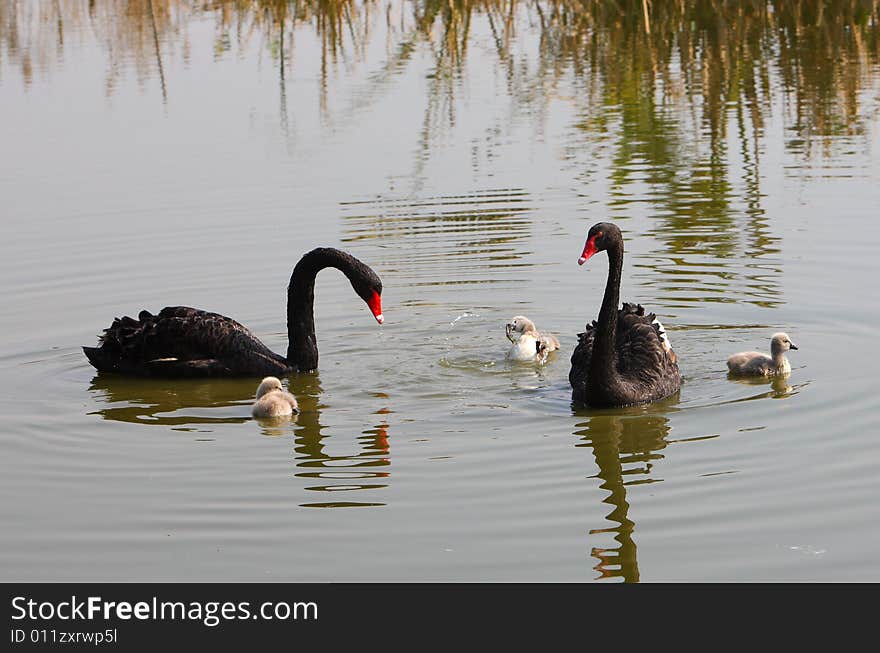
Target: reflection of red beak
x=589 y=250
x=375 y=305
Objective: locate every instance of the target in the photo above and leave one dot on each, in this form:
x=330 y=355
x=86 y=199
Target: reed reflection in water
x=708 y=59
x=677 y=98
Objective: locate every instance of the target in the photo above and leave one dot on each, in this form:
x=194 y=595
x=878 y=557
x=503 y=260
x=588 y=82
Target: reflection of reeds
x=662 y=82
x=702 y=53
x=33 y=35
x=714 y=51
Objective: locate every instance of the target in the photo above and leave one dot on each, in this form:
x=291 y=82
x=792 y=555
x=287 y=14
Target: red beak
x=589 y=250
x=375 y=305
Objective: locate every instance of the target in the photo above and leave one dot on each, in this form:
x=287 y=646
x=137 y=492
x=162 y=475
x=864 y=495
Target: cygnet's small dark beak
x=792 y=346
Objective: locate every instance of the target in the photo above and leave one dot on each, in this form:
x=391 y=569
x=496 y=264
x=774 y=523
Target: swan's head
x=368 y=287
x=518 y=326
x=600 y=237
x=269 y=384
x=780 y=342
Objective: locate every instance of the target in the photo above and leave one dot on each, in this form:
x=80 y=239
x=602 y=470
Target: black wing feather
x=646 y=365
x=183 y=341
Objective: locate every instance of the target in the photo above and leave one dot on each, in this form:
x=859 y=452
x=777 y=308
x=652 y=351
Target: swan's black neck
x=603 y=362
x=302 y=347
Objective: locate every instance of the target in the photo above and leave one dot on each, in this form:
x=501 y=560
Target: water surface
x=167 y=152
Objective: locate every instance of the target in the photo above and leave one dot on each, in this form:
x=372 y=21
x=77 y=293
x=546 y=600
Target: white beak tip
x=380 y=318
x=582 y=260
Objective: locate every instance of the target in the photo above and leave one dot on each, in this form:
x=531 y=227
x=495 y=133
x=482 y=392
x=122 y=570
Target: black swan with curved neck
x=624 y=357
x=187 y=342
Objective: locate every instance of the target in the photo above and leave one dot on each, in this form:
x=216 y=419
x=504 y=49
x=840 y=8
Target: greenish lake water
x=186 y=153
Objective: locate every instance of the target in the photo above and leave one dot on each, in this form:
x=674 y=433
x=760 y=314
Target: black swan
x=624 y=357
x=754 y=363
x=187 y=342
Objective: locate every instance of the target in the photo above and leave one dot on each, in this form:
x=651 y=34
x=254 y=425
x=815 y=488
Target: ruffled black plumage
x=646 y=365
x=623 y=357
x=181 y=342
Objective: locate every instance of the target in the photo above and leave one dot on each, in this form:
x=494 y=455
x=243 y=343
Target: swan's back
x=645 y=362
x=183 y=342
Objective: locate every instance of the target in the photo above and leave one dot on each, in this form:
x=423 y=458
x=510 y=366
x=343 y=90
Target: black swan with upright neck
x=624 y=357
x=187 y=342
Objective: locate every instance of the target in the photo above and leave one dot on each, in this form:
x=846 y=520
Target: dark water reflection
x=625 y=449
x=363 y=469
x=177 y=405
x=194 y=406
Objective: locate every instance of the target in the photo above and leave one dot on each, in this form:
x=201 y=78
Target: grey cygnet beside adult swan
x=188 y=342
x=754 y=363
x=624 y=357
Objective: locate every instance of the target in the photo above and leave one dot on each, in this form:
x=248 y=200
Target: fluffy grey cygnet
x=273 y=400
x=754 y=363
x=528 y=343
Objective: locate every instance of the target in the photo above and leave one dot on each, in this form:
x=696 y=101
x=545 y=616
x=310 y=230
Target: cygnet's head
x=269 y=384
x=517 y=326
x=780 y=343
x=541 y=351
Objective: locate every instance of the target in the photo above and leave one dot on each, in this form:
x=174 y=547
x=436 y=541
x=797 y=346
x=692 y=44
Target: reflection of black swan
x=185 y=342
x=623 y=357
